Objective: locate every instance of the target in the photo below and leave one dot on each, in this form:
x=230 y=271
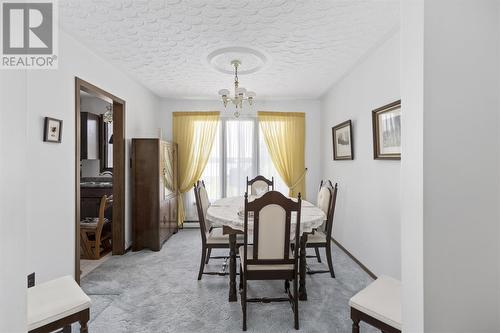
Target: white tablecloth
x=225 y=212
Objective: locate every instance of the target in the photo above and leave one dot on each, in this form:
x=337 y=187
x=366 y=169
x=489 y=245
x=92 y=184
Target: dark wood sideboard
x=154 y=192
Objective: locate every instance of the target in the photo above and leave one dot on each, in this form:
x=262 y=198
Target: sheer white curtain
x=239 y=151
x=241 y=155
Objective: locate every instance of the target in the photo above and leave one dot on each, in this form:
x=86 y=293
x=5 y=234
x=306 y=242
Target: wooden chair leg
x=84 y=321
x=355 y=326
x=287 y=286
x=244 y=307
x=67 y=329
x=296 y=302
x=317 y=254
x=208 y=255
x=202 y=263
x=329 y=259
x=83 y=327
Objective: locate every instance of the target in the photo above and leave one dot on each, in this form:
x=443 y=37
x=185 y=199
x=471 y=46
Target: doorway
x=104 y=148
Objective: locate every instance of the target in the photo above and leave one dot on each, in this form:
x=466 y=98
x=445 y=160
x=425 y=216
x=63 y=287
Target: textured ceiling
x=164 y=44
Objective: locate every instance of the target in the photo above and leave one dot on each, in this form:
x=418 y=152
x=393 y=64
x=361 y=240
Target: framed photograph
x=342 y=141
x=387 y=132
x=52 y=130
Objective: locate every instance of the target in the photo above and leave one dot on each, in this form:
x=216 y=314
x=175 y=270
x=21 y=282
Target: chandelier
x=240 y=93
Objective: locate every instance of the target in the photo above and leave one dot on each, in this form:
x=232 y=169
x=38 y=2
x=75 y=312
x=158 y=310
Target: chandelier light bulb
x=241 y=91
x=224 y=92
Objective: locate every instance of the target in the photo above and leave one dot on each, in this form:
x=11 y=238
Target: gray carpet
x=159 y=292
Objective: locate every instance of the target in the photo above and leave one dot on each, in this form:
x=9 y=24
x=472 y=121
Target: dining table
x=227 y=213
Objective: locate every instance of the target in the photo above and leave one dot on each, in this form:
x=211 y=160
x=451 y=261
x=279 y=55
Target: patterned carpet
x=159 y=292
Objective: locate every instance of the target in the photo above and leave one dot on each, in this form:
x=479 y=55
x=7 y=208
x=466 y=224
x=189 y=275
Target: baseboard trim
x=360 y=264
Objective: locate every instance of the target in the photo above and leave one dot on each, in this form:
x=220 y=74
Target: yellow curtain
x=284 y=133
x=194 y=133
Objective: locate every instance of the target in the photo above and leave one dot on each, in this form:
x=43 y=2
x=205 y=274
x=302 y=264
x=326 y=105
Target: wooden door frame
x=118 y=225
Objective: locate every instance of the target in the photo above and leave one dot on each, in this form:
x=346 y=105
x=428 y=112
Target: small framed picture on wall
x=342 y=141
x=52 y=131
x=387 y=132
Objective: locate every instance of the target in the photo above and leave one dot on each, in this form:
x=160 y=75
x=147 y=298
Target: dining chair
x=211 y=238
x=95 y=233
x=260 y=185
x=327 y=197
x=270 y=256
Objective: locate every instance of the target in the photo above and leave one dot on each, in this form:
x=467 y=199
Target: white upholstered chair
x=211 y=238
x=260 y=185
x=379 y=305
x=327 y=197
x=270 y=257
x=57 y=304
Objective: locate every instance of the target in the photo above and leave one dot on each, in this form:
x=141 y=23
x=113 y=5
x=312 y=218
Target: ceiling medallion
x=221 y=59
x=240 y=93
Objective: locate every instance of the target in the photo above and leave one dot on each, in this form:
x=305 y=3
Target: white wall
x=51 y=176
x=310 y=107
x=13 y=225
x=461 y=166
x=367 y=215
x=412 y=92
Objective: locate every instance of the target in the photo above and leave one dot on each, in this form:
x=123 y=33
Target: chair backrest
x=331 y=212
x=271 y=229
x=260 y=185
x=324 y=196
x=106 y=202
x=202 y=204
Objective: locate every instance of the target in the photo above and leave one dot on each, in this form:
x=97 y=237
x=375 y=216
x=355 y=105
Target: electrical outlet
x=31 y=280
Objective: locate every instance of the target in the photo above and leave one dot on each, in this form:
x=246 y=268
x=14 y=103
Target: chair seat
x=260 y=267
x=380 y=300
x=53 y=300
x=316 y=237
x=91 y=223
x=217 y=237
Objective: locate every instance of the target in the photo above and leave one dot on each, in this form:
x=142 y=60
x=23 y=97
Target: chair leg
x=83 y=326
x=208 y=255
x=296 y=303
x=287 y=286
x=244 y=301
x=202 y=263
x=329 y=259
x=355 y=326
x=317 y=254
x=67 y=329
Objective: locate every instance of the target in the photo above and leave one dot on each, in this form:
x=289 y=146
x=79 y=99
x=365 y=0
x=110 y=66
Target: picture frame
x=52 y=130
x=386 y=121
x=342 y=141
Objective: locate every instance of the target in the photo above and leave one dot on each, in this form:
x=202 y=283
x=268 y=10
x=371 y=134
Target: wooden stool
x=57 y=304
x=379 y=305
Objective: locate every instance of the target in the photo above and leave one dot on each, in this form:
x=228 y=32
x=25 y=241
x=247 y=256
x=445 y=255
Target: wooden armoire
x=154 y=192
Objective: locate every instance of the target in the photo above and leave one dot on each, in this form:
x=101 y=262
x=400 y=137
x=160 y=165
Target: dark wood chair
x=270 y=257
x=260 y=185
x=327 y=197
x=95 y=234
x=211 y=238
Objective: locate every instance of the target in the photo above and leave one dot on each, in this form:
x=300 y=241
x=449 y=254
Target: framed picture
x=387 y=132
x=52 y=130
x=342 y=141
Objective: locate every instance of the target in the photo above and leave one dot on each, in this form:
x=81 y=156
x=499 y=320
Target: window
x=239 y=151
